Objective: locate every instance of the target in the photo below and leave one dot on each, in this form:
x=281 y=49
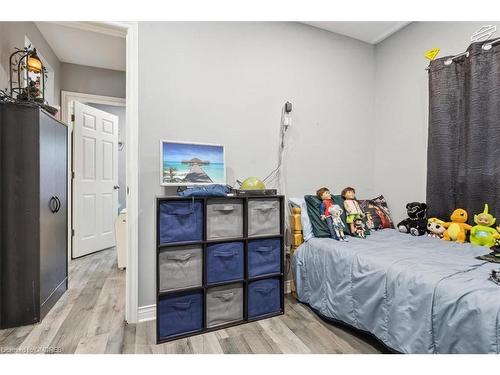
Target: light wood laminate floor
x=89 y=318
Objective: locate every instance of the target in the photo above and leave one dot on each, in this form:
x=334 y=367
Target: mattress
x=415 y=294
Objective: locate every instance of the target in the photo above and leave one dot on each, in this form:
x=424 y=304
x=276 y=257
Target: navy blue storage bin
x=263 y=297
x=181 y=221
x=225 y=262
x=264 y=256
x=180 y=313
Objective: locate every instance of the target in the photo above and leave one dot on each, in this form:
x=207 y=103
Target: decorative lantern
x=25 y=61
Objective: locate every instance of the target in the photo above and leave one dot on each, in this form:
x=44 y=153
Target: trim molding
x=68 y=96
x=132 y=155
x=146 y=313
x=67 y=100
x=107 y=28
x=131 y=30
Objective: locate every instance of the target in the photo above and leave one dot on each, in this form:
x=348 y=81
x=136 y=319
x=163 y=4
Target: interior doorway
x=98 y=169
x=129 y=32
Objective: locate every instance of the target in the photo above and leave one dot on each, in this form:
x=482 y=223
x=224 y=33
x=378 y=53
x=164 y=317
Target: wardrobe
x=33 y=213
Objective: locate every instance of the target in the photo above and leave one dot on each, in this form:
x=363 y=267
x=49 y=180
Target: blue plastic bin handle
x=225 y=296
x=226 y=254
x=264 y=249
x=181 y=305
x=180 y=258
x=264 y=289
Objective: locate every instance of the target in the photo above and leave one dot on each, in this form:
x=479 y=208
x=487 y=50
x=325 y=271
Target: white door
x=95 y=183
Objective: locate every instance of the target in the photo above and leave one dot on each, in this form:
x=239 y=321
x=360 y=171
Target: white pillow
x=307 y=231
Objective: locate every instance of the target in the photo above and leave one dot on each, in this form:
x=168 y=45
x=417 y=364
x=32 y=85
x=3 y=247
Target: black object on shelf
x=33 y=206
x=241 y=240
x=250 y=193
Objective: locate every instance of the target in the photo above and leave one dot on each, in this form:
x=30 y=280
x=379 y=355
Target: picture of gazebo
x=191 y=164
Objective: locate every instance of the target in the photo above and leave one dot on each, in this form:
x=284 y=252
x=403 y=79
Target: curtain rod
x=486 y=46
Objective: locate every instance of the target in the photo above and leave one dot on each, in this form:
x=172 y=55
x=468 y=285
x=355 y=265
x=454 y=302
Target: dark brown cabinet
x=33 y=214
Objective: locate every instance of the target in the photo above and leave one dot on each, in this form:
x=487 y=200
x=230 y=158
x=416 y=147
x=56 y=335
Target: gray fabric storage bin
x=181 y=267
x=224 y=304
x=263 y=217
x=224 y=218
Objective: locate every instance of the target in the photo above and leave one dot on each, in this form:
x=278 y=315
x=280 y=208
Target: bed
x=415 y=294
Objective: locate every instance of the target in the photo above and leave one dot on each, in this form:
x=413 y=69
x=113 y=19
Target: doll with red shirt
x=331 y=213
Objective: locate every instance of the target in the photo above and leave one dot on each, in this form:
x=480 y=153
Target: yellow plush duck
x=456 y=230
x=482 y=234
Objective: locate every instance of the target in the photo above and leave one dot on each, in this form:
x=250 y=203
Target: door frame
x=67 y=100
x=131 y=32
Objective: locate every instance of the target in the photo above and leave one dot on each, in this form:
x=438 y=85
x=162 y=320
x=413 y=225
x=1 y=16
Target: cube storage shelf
x=219 y=263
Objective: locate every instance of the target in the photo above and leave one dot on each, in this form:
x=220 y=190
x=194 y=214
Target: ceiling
x=372 y=32
x=103 y=45
x=86 y=43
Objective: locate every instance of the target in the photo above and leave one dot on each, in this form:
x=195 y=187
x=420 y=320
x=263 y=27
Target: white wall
x=224 y=82
x=401 y=106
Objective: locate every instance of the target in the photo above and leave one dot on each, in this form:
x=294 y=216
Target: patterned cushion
x=379 y=211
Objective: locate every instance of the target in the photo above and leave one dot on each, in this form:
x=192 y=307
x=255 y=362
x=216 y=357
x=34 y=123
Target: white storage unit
x=121 y=238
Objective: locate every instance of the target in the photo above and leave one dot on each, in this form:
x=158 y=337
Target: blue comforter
x=416 y=294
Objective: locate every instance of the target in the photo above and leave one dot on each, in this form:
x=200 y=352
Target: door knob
x=116 y=187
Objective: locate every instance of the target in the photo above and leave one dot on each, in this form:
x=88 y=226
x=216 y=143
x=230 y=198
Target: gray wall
x=69 y=77
x=96 y=81
x=226 y=83
x=401 y=106
x=122 y=137
x=12 y=34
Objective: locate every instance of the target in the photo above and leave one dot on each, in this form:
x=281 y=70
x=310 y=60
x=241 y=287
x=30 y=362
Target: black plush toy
x=416 y=223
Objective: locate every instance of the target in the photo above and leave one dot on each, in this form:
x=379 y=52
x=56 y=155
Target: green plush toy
x=482 y=234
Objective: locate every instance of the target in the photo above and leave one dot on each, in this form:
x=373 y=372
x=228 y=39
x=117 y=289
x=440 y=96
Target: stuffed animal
x=456 y=230
x=416 y=223
x=435 y=227
x=359 y=227
x=482 y=234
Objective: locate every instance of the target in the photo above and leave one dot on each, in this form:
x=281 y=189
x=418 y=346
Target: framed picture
x=189 y=163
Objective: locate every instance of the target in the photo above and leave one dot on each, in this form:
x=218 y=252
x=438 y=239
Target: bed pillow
x=307 y=230
x=379 y=210
x=319 y=227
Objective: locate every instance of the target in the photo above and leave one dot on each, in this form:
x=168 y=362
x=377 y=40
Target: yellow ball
x=252 y=183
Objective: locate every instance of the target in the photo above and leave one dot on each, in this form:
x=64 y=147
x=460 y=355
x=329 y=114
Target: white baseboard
x=148 y=312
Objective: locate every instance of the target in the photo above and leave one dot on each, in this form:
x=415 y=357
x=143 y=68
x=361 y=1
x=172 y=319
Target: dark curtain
x=463 y=157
